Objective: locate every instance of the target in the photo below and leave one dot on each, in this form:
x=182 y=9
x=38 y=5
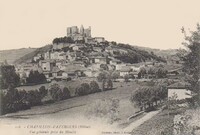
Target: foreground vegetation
x=13 y=100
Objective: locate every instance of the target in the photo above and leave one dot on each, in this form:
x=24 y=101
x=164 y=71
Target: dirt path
x=139 y=122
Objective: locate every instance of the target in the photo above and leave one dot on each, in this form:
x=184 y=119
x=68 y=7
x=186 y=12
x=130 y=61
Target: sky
x=148 y=23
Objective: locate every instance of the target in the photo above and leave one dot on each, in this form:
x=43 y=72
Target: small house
x=125 y=71
x=179 y=91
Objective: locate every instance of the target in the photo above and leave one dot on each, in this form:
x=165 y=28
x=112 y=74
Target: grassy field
x=77 y=106
x=121 y=91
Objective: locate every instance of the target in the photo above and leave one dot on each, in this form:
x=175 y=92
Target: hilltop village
x=96 y=78
x=78 y=54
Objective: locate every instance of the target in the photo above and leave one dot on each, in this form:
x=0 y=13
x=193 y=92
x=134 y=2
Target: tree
x=109 y=84
x=102 y=76
x=13 y=100
x=151 y=71
x=43 y=91
x=63 y=40
x=137 y=98
x=192 y=59
x=34 y=97
x=113 y=43
x=94 y=87
x=8 y=77
x=36 y=78
x=83 y=89
x=161 y=72
x=115 y=75
x=104 y=66
x=105 y=77
x=142 y=72
x=126 y=78
x=65 y=93
x=55 y=92
x=148 y=96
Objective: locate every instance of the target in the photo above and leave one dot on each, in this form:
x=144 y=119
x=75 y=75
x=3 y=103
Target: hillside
x=158 y=52
x=29 y=56
x=14 y=54
x=124 y=52
x=135 y=55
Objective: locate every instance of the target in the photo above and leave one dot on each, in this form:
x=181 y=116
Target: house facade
x=179 y=91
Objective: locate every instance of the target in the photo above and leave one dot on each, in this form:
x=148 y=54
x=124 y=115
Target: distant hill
x=14 y=54
x=159 y=52
x=29 y=56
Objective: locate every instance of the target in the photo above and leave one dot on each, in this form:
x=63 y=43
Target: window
x=50 y=75
x=59 y=73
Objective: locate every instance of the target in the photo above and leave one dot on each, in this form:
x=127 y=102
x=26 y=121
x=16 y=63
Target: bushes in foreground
x=57 y=93
x=187 y=123
x=13 y=100
x=94 y=87
x=104 y=109
x=34 y=97
x=83 y=89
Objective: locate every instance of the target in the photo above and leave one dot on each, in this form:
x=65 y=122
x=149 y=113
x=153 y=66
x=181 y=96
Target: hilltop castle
x=78 y=34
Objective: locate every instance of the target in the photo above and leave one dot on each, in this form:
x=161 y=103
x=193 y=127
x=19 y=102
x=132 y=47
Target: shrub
x=56 y=92
x=65 y=93
x=34 y=97
x=43 y=91
x=13 y=100
x=94 y=87
x=84 y=89
x=187 y=123
x=104 y=109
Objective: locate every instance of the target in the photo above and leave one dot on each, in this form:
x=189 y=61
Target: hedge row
x=13 y=100
x=86 y=88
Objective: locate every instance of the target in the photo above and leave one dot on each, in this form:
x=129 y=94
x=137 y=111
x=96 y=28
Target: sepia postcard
x=99 y=67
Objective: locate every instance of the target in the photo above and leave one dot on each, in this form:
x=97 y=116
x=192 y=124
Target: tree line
x=159 y=72
x=63 y=40
x=13 y=100
x=148 y=97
